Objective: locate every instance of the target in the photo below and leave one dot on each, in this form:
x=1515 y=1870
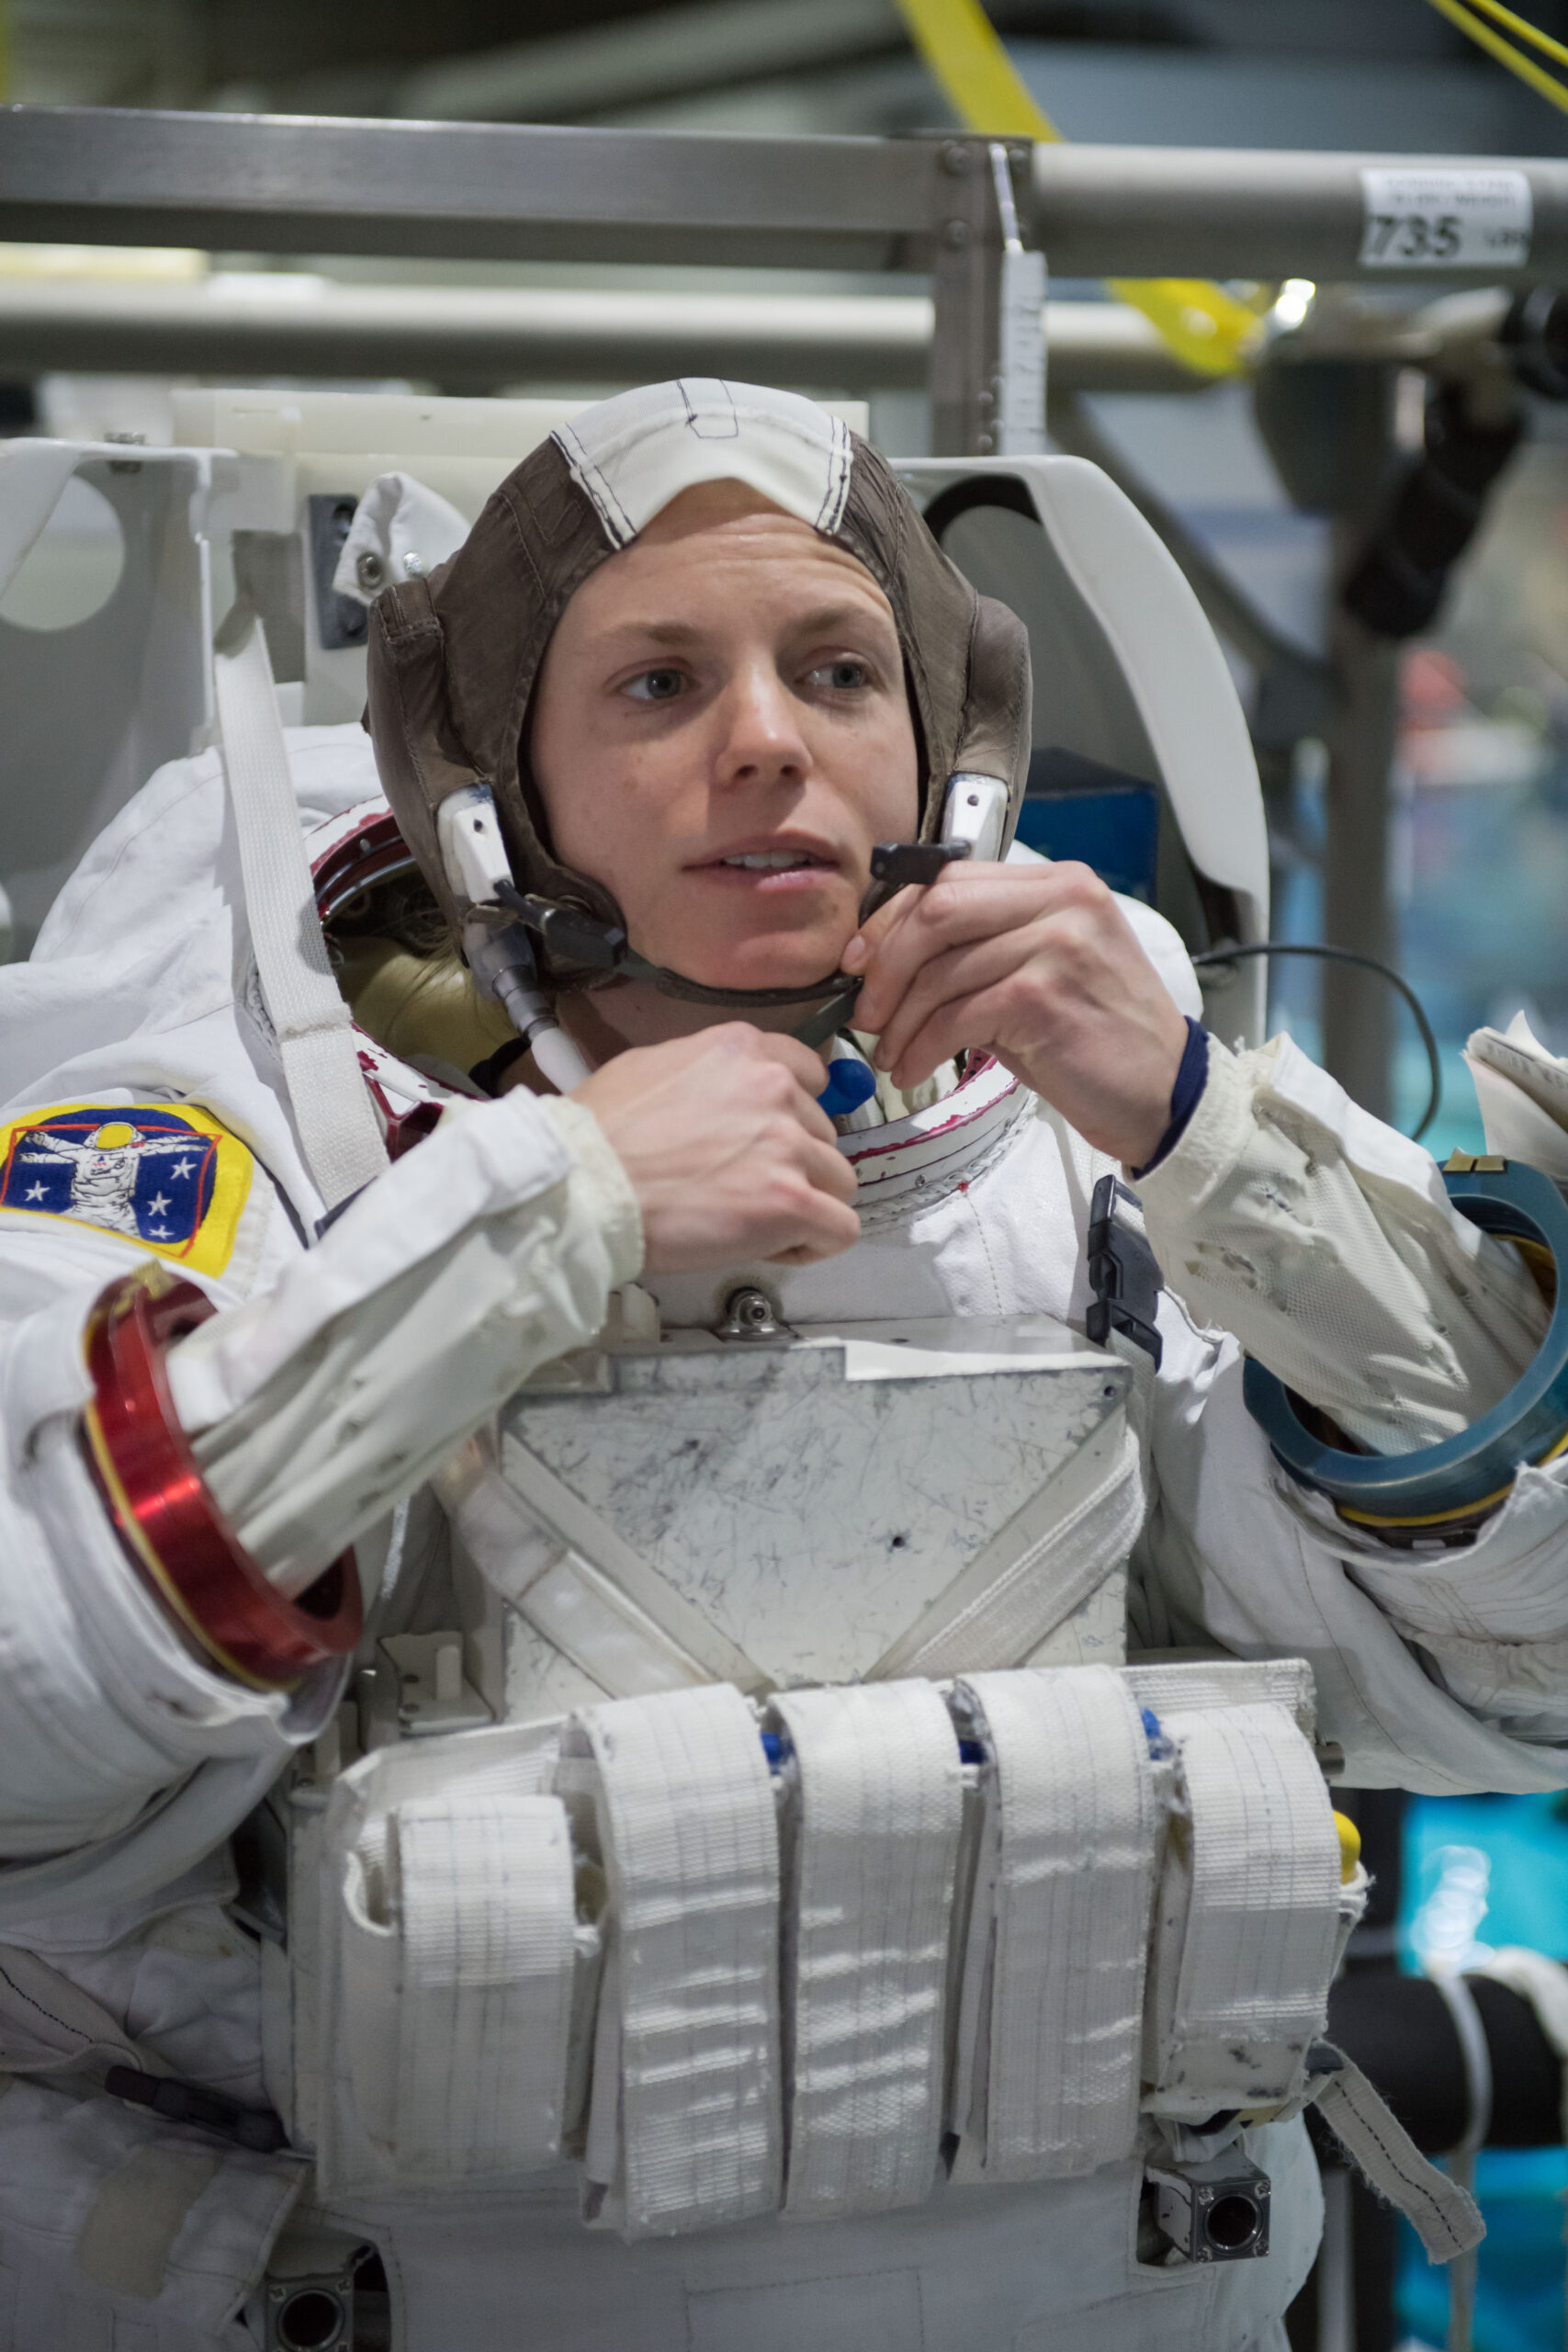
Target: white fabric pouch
x=453 y=1967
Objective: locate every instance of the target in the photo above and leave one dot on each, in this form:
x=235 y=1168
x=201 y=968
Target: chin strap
x=895 y=866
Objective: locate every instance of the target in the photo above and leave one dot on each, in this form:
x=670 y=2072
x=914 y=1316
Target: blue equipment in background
x=1080 y=808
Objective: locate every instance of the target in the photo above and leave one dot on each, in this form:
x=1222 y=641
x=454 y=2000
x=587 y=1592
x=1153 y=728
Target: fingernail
x=853 y=956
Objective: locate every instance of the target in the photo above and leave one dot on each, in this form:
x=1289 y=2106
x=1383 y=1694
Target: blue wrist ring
x=1457 y=1481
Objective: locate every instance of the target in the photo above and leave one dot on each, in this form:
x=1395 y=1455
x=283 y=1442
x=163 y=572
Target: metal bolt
x=956 y=158
x=955 y=235
x=369 y=569
x=414 y=565
x=748 y=1314
x=984 y=445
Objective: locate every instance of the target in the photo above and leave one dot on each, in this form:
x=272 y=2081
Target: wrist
x=1186 y=1093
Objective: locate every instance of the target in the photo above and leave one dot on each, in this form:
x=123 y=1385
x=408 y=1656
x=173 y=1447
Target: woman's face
x=720 y=736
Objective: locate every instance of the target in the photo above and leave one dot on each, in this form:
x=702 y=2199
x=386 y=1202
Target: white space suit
x=334 y=1384
x=126 y=1757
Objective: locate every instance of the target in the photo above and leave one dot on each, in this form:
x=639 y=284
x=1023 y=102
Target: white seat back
x=1129 y=673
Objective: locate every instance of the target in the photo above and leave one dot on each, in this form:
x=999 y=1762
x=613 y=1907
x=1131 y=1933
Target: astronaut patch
x=169 y=1178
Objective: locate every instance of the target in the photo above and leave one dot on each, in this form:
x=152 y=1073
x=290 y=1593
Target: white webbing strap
x=486 y=1920
x=1185 y=1686
x=1248 y=1914
x=339 y=1137
x=600 y=1601
x=1444 y=2216
x=1051 y=2014
x=871 y=1850
x=690 y=1838
x=1035 y=1571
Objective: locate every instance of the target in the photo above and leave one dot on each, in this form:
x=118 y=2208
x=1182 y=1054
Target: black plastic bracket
x=1123 y=1273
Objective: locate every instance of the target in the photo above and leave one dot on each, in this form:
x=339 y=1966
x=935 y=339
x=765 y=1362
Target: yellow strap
x=1532 y=33
x=1206 y=326
x=1545 y=84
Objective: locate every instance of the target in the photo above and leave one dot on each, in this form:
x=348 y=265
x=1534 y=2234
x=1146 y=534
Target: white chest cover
x=874 y=1961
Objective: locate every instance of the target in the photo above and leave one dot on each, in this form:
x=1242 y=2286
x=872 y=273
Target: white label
x=1443 y=219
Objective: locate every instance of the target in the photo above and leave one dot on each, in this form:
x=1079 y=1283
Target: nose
x=759 y=739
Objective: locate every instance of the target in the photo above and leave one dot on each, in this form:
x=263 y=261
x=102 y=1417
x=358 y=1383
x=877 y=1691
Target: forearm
x=312 y=1411
x=1324 y=1240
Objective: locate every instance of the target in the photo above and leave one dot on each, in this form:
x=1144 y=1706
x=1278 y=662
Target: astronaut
x=696 y=661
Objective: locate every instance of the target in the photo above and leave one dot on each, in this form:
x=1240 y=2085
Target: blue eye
x=657 y=685
x=844 y=677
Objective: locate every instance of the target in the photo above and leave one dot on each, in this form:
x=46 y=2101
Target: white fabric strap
x=1444 y=2216
x=690 y=1839
x=1247 y=1916
x=1052 y=2017
x=599 y=1600
x=488 y=1919
x=871 y=1849
x=339 y=1137
x=1035 y=1571
x=1185 y=1687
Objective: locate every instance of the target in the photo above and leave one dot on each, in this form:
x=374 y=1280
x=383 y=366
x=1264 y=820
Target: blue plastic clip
x=850 y=1083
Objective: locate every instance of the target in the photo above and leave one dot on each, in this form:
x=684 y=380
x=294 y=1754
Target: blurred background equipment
x=1308 y=307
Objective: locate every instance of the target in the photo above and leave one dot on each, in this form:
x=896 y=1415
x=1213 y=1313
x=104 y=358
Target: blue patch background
x=187 y=1197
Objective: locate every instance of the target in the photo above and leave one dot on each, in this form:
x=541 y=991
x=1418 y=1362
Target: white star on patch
x=35 y=1193
x=158 y=1206
x=182 y=1168
x=161 y=1233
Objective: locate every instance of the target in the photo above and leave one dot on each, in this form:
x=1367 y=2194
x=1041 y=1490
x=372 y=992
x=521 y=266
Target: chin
x=773 y=963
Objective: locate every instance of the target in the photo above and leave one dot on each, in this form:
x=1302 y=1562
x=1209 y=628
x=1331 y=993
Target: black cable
x=1369 y=964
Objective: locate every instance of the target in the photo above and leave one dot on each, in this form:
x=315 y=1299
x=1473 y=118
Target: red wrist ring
x=167 y=1520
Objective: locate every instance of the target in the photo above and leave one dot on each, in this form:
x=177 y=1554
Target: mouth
x=781 y=863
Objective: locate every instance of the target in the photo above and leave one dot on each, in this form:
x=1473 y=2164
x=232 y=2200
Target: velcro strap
x=1248 y=1915
x=685 y=2128
x=871 y=1849
x=477 y=1995
x=1444 y=2216
x=1051 y=2024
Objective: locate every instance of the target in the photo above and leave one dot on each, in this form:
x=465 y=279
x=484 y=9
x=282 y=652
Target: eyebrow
x=824 y=621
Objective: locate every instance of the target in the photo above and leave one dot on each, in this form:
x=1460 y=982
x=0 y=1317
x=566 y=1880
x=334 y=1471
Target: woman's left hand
x=1038 y=965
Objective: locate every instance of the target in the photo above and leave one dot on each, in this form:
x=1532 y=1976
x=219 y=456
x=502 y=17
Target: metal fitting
x=1216 y=2211
x=749 y=1314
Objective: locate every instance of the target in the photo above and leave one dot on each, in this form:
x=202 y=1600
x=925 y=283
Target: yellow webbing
x=1545 y=84
x=1206 y=326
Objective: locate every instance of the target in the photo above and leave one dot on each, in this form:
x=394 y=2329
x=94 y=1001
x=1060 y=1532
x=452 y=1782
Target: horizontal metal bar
x=1241 y=212
x=242 y=326
x=286 y=184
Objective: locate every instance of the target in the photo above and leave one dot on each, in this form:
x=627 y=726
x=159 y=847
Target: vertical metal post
x=1357 y=1007
x=965 y=285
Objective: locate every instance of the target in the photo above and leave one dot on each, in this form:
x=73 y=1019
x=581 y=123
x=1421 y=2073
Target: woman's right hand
x=727 y=1151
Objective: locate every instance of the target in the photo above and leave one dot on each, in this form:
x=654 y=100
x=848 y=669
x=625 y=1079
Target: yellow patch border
x=211 y=1246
